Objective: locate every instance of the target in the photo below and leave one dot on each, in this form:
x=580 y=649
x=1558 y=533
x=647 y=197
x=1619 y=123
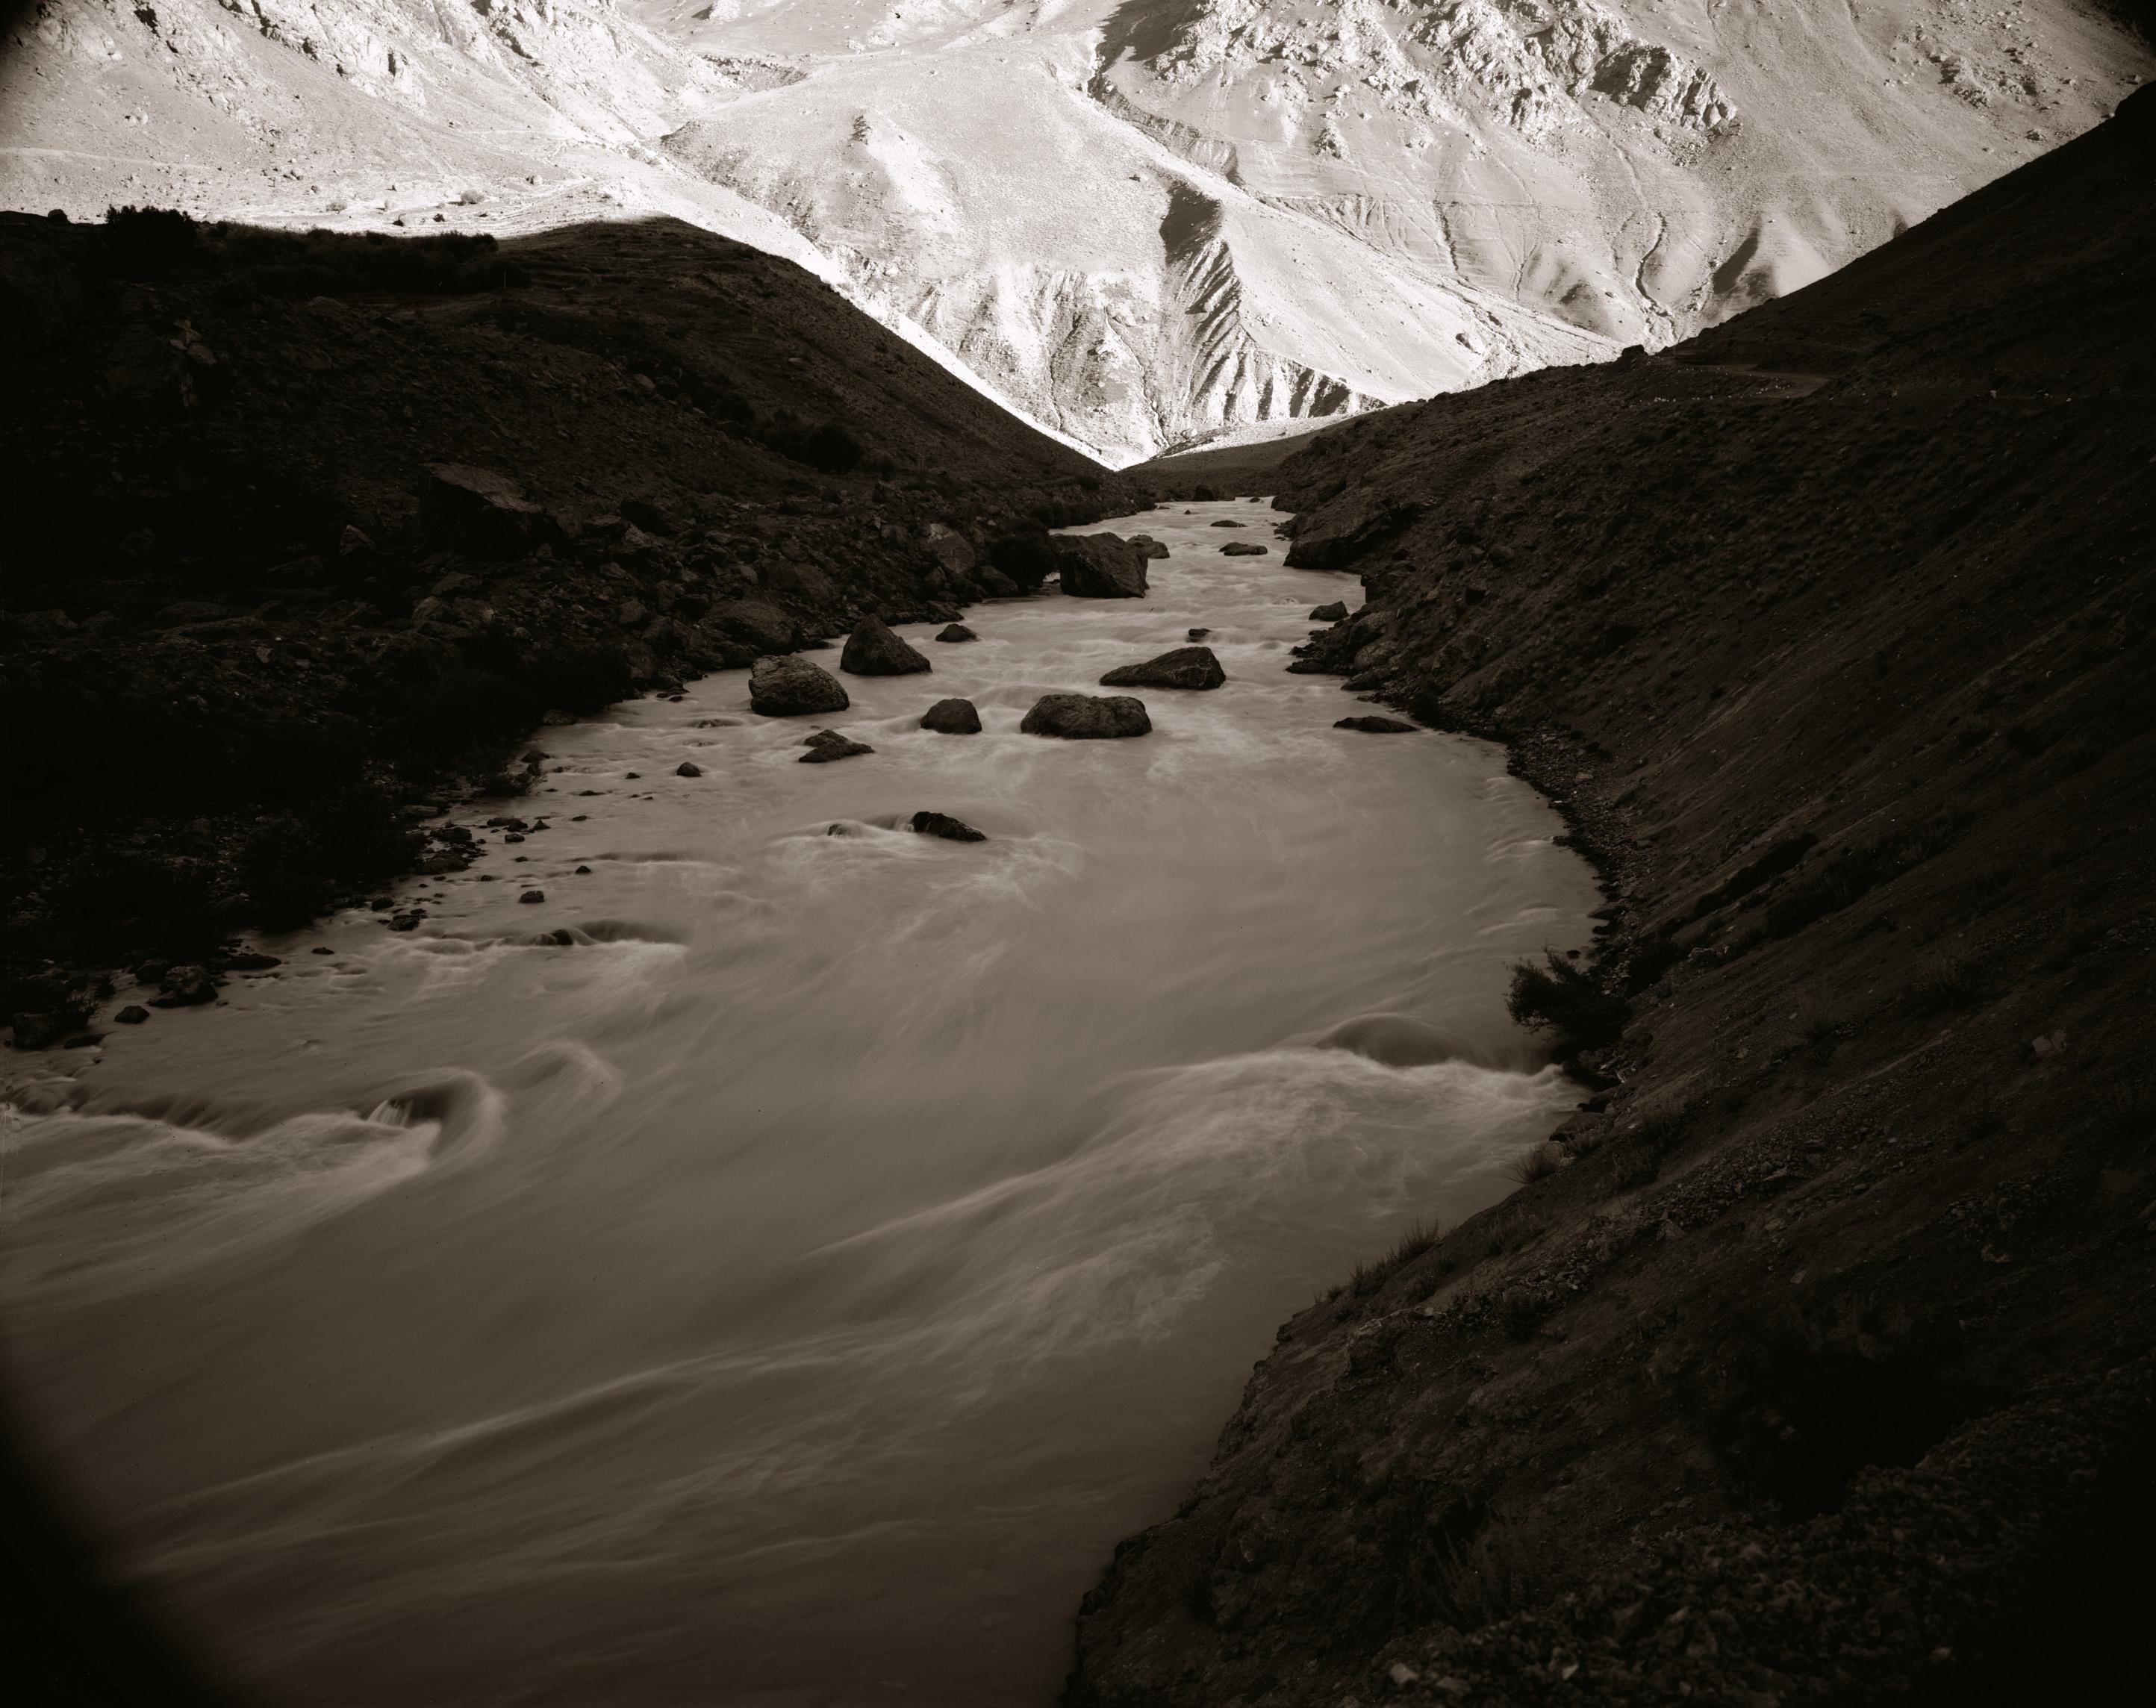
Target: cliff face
x=1145 y=225
x=1813 y=1363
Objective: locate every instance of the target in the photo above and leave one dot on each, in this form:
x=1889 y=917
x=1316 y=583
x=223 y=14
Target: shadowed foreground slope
x=1813 y=1363
x=248 y=618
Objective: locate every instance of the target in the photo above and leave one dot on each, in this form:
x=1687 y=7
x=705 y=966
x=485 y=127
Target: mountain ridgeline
x=1811 y=1361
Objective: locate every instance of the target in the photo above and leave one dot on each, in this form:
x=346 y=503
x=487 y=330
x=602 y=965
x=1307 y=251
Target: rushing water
x=788 y=1291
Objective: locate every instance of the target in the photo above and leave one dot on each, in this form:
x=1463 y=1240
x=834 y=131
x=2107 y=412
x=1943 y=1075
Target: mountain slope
x=1813 y=1361
x=1145 y=224
x=308 y=527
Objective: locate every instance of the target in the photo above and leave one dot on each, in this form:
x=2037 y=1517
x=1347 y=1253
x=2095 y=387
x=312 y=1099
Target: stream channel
x=789 y=1290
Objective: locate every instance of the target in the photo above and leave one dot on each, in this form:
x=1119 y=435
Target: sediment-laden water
x=788 y=1291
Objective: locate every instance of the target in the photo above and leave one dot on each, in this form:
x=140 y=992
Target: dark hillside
x=247 y=618
x=1813 y=1363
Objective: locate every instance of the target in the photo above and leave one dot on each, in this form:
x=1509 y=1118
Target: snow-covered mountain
x=1144 y=224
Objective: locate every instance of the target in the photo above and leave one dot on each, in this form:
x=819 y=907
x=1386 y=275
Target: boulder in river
x=952 y=717
x=1336 y=611
x=533 y=896
x=1225 y=523
x=945 y=826
x=1101 y=567
x=791 y=686
x=1243 y=548
x=688 y=767
x=1196 y=633
x=1376 y=725
x=1151 y=546
x=827 y=745
x=873 y=650
x=1186 y=667
x=1080 y=717
x=134 y=1014
x=955 y=632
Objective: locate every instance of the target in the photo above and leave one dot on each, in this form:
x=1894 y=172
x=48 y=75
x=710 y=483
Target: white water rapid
x=789 y=1290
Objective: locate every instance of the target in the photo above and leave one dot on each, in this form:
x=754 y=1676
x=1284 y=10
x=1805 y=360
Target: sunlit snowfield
x=789 y=1290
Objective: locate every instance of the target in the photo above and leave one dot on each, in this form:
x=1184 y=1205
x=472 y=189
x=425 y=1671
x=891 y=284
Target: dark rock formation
x=1376 y=725
x=1087 y=717
x=949 y=828
x=688 y=767
x=1186 y=667
x=956 y=632
x=793 y=686
x=952 y=717
x=873 y=650
x=1100 y=566
x=1336 y=611
x=828 y=744
x=1244 y=548
x=757 y=623
x=1151 y=547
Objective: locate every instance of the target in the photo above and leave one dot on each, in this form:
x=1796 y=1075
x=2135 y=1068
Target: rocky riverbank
x=310 y=532
x=1811 y=1362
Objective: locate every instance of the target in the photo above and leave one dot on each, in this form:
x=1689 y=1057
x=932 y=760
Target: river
x=788 y=1291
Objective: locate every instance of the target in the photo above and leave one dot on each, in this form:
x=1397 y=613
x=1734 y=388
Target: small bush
x=1567 y=1001
x=2127 y=1100
x=148 y=243
x=1370 y=1276
x=1948 y=986
x=1522 y=1311
x=1533 y=1164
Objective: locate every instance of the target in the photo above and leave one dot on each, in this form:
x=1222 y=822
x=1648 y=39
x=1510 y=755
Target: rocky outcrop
x=1336 y=611
x=1080 y=717
x=1186 y=667
x=1100 y=566
x=955 y=632
x=1374 y=725
x=952 y=717
x=757 y=623
x=873 y=650
x=793 y=687
x=1243 y=548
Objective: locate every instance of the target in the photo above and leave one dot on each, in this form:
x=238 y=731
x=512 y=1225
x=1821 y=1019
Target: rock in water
x=1376 y=725
x=533 y=896
x=1151 y=546
x=688 y=768
x=134 y=1014
x=790 y=686
x=956 y=631
x=1336 y=611
x=873 y=650
x=1101 y=567
x=1186 y=667
x=827 y=745
x=952 y=717
x=1243 y=548
x=1225 y=523
x=1080 y=717
x=1196 y=633
x=949 y=828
